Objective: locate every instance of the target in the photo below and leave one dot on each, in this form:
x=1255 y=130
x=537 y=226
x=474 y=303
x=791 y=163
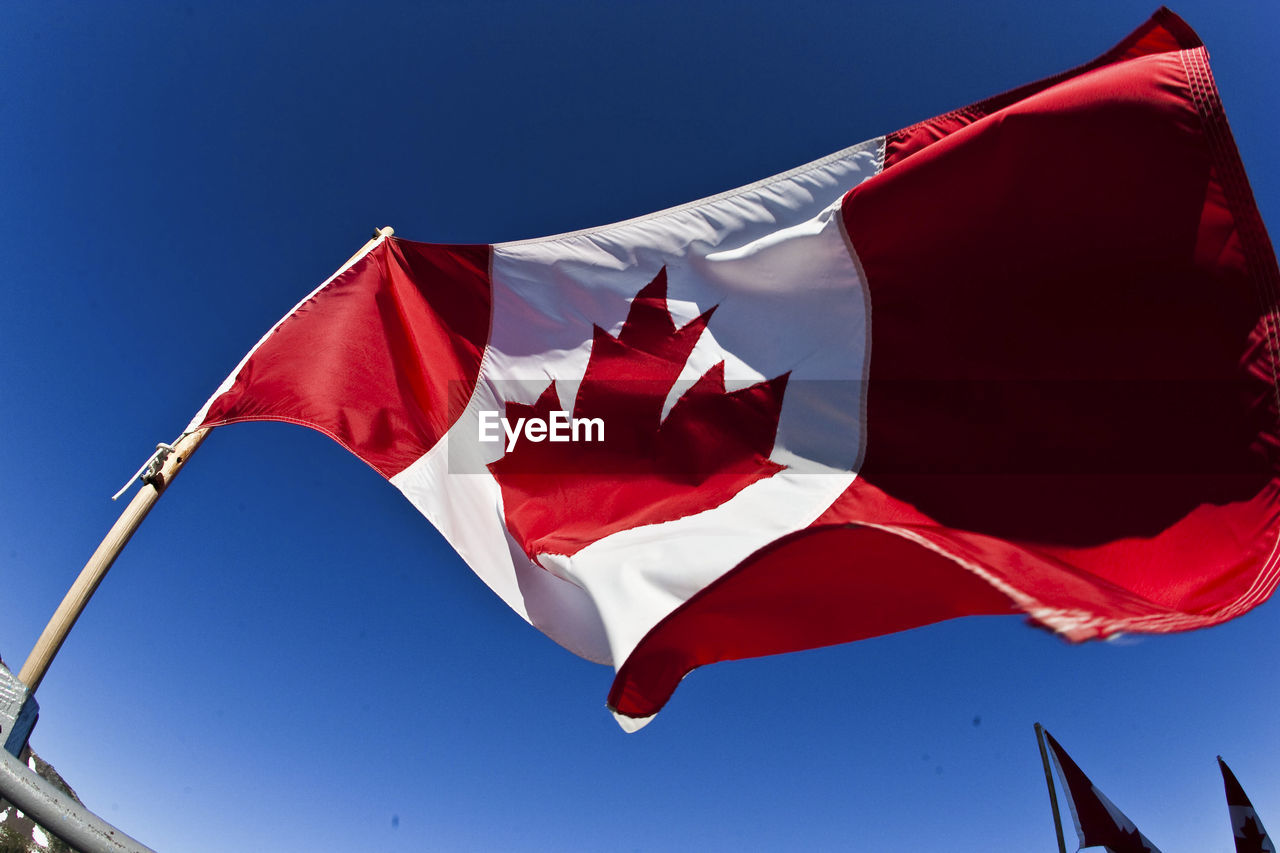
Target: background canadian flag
x=1099 y=822
x=1019 y=358
x=1246 y=827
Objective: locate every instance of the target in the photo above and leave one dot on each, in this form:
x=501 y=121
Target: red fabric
x=814 y=588
x=1071 y=406
x=1164 y=32
x=560 y=497
x=381 y=360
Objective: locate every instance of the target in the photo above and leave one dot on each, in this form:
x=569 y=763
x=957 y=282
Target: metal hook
x=149 y=469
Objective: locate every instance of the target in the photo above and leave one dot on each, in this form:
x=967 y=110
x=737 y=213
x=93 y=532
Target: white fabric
x=1240 y=815
x=774 y=258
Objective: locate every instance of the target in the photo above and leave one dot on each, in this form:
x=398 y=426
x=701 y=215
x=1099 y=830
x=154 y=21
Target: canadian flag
x=1099 y=823
x=1246 y=826
x=1019 y=358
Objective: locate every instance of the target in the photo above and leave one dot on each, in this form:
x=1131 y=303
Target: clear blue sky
x=288 y=657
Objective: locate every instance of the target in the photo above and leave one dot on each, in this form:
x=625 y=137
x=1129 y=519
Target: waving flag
x=1246 y=827
x=1019 y=358
x=1098 y=822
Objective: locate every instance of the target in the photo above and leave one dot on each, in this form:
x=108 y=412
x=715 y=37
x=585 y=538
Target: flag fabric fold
x=1246 y=826
x=1019 y=358
x=1099 y=823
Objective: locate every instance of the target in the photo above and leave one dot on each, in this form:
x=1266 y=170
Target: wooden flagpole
x=164 y=467
x=1053 y=797
x=154 y=482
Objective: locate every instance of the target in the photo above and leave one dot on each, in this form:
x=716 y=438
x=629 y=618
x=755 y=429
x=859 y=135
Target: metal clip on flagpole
x=156 y=475
x=149 y=469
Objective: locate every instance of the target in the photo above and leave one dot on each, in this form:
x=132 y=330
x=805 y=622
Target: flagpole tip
x=384 y=231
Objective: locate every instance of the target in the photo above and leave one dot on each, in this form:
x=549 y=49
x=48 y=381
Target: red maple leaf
x=561 y=497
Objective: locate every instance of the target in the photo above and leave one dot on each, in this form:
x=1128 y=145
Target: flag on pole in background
x=1246 y=827
x=1098 y=822
x=1019 y=358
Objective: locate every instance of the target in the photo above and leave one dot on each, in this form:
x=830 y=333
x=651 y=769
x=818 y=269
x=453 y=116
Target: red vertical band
x=1071 y=407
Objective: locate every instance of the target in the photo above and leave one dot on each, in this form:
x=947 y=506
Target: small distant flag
x=1099 y=823
x=1245 y=825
